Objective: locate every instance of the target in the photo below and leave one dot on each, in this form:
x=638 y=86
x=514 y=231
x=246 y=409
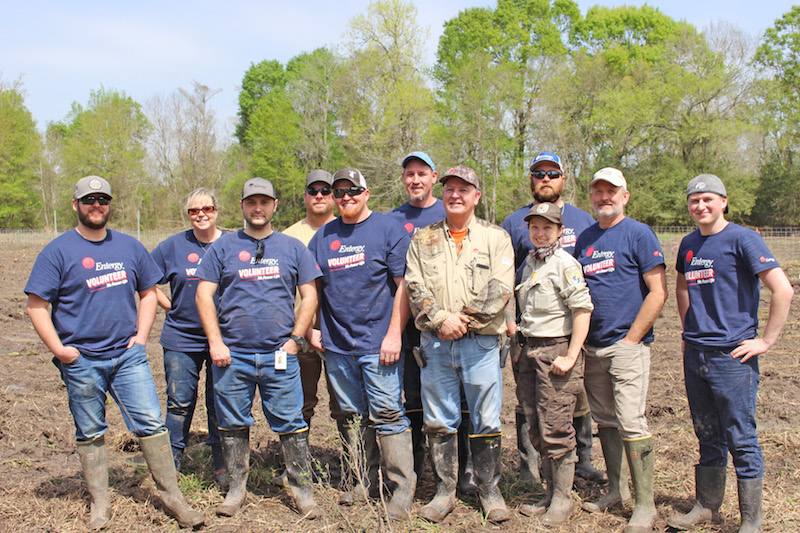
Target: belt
x=534 y=342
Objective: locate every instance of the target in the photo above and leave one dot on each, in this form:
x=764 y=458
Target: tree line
x=627 y=87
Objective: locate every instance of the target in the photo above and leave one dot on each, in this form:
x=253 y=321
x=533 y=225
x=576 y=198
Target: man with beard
x=547 y=183
x=254 y=338
x=364 y=308
x=624 y=267
x=91 y=277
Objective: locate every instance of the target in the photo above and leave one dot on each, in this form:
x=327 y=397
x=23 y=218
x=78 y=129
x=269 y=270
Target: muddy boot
x=399 y=461
x=640 y=459
x=298 y=473
x=750 y=504
x=486 y=463
x=443 y=457
x=583 y=437
x=528 y=456
x=562 y=473
x=541 y=506
x=220 y=470
x=417 y=441
x=466 y=476
x=236 y=451
x=177 y=456
x=95 y=472
x=157 y=452
x=709 y=483
x=618 y=492
x=361 y=460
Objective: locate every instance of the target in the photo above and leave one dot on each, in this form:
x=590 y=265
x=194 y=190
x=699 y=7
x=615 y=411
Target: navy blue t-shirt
x=178 y=257
x=256 y=299
x=92 y=288
x=614 y=262
x=721 y=272
x=575 y=221
x=359 y=263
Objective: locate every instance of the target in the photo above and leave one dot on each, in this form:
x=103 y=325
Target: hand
x=136 y=340
x=516 y=350
x=750 y=348
x=67 y=354
x=561 y=365
x=454 y=327
x=220 y=355
x=291 y=347
x=315 y=339
x=390 y=348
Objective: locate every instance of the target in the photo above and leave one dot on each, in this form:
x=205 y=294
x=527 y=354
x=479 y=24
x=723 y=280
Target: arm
x=656 y=281
x=148 y=303
x=682 y=297
x=392 y=342
x=314 y=336
x=220 y=354
x=305 y=315
x=580 y=329
x=778 y=284
x=38 y=311
x=494 y=296
x=163 y=300
x=428 y=314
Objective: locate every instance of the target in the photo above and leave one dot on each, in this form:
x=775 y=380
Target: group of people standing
x=407 y=314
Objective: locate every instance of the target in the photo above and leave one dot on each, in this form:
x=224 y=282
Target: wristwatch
x=298 y=340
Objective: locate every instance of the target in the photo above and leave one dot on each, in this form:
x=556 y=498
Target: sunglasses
x=313 y=191
x=90 y=200
x=260 y=251
x=552 y=174
x=207 y=209
x=352 y=192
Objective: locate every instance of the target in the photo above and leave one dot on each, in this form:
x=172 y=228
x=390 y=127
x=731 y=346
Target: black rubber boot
x=417 y=441
x=95 y=472
x=298 y=472
x=361 y=461
x=709 y=483
x=583 y=439
x=443 y=457
x=750 y=504
x=236 y=451
x=528 y=456
x=618 y=492
x=486 y=463
x=466 y=475
x=399 y=461
x=220 y=470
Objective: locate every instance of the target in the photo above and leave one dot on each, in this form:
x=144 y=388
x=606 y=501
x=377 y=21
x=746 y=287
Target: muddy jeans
x=549 y=400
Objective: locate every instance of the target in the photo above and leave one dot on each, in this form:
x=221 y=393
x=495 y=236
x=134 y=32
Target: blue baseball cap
x=422 y=156
x=546 y=156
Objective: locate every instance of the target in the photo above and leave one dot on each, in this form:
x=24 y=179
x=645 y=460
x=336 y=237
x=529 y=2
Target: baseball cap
x=545 y=210
x=319 y=175
x=255 y=186
x=422 y=156
x=463 y=172
x=706 y=183
x=611 y=175
x=91 y=184
x=352 y=175
x=546 y=156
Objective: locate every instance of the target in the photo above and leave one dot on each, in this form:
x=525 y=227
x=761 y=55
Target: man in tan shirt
x=460 y=276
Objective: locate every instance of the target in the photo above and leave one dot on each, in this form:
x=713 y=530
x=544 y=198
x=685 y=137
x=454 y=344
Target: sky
x=61 y=51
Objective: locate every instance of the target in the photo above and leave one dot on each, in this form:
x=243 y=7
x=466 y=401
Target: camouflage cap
x=547 y=211
x=463 y=172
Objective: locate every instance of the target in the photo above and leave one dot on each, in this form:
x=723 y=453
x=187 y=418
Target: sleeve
x=149 y=273
x=396 y=258
x=45 y=278
x=648 y=250
x=574 y=289
x=158 y=257
x=210 y=268
x=494 y=296
x=307 y=268
x=428 y=314
x=755 y=252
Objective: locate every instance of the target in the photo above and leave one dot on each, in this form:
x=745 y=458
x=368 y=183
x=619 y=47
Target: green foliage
x=19 y=154
x=258 y=82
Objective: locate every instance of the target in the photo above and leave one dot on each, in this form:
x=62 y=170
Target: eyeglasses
x=552 y=174
x=90 y=200
x=352 y=192
x=259 y=251
x=207 y=209
x=313 y=191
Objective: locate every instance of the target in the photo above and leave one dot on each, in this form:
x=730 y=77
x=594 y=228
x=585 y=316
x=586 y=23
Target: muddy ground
x=41 y=487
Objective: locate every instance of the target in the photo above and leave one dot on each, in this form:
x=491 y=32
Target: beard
x=83 y=217
x=546 y=194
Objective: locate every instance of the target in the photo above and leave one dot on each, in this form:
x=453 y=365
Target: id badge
x=280 y=359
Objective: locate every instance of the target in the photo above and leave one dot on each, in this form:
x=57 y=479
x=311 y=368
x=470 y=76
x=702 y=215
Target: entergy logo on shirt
x=356 y=255
x=605 y=263
x=119 y=276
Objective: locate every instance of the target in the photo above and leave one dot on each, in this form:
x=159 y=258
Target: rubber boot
x=618 y=492
x=443 y=457
x=541 y=506
x=583 y=437
x=236 y=451
x=466 y=475
x=750 y=504
x=486 y=463
x=399 y=461
x=563 y=474
x=220 y=470
x=157 y=452
x=528 y=456
x=417 y=441
x=298 y=473
x=95 y=472
x=709 y=488
x=640 y=460
x=177 y=456
x=361 y=461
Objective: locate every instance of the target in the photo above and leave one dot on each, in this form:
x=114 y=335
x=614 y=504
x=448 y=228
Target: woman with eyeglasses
x=183 y=339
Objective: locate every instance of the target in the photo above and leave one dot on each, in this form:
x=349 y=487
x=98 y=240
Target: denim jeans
x=722 y=399
x=281 y=392
x=471 y=362
x=363 y=386
x=182 y=370
x=129 y=381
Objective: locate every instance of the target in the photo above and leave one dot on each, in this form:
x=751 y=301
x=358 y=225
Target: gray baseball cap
x=255 y=186
x=706 y=183
x=353 y=175
x=319 y=175
x=91 y=184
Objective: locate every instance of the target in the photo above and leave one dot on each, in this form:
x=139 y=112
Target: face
x=203 y=221
x=419 y=179
x=459 y=197
x=608 y=201
x=318 y=203
x=544 y=232
x=93 y=216
x=706 y=208
x=258 y=210
x=547 y=189
x=350 y=207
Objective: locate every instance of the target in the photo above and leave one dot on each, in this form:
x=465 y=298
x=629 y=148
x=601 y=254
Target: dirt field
x=42 y=490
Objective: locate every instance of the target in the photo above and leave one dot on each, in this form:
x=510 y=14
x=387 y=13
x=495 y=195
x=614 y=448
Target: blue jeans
x=129 y=381
x=281 y=392
x=182 y=370
x=722 y=399
x=469 y=362
x=363 y=386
